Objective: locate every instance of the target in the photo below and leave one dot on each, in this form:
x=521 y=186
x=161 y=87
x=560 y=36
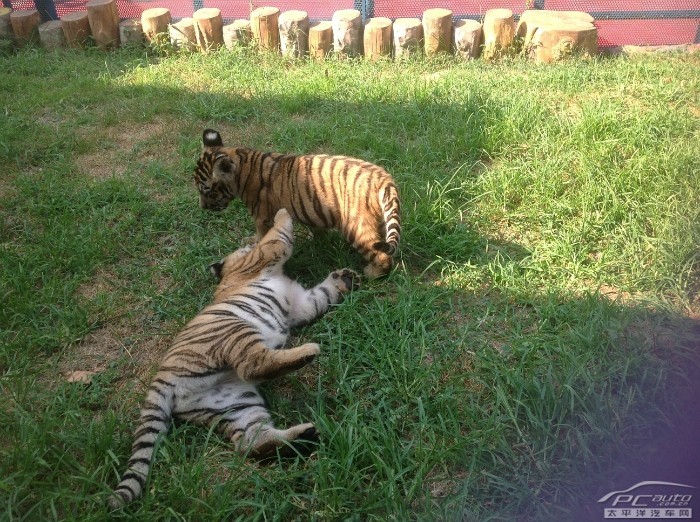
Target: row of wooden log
x=546 y=35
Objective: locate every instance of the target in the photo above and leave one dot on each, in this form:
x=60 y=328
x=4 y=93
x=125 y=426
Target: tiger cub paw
x=345 y=280
x=283 y=217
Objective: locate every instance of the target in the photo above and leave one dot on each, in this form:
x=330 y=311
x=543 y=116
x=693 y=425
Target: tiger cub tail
x=391 y=208
x=155 y=420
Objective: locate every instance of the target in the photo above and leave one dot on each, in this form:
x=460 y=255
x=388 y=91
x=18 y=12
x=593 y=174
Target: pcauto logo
x=650 y=499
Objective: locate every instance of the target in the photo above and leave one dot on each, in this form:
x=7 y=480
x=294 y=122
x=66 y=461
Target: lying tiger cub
x=208 y=375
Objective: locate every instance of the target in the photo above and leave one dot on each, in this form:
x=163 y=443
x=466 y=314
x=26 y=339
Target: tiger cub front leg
x=311 y=304
x=261 y=363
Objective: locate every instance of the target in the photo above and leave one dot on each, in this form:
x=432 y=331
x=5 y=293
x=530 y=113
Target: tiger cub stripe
x=210 y=372
x=356 y=197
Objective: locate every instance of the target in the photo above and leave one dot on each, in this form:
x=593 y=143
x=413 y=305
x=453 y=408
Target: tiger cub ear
x=215 y=269
x=212 y=138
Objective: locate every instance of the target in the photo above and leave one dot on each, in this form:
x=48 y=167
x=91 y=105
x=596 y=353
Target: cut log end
x=549 y=36
x=408 y=37
x=25 y=26
x=130 y=32
x=237 y=33
x=264 y=24
x=154 y=23
x=499 y=32
x=468 y=36
x=437 y=31
x=294 y=33
x=209 y=28
x=320 y=39
x=51 y=35
x=76 y=29
x=377 y=38
x=347 y=32
x=104 y=22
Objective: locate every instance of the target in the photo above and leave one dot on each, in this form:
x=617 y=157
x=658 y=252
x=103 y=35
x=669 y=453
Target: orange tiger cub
x=209 y=374
x=356 y=197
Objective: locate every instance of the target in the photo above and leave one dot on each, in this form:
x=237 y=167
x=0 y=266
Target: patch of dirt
x=440 y=487
x=130 y=339
x=117 y=343
x=145 y=140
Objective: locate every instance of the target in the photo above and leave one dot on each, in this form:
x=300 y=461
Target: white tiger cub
x=208 y=375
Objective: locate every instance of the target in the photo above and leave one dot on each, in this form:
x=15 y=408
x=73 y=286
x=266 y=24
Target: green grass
x=530 y=337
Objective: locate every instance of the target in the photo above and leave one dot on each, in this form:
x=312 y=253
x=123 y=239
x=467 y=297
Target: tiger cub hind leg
x=238 y=411
x=297 y=440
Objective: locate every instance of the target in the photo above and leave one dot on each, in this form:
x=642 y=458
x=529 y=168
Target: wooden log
x=499 y=30
x=155 y=23
x=131 y=32
x=576 y=38
x=294 y=33
x=347 y=32
x=377 y=38
x=183 y=34
x=236 y=33
x=437 y=31
x=264 y=23
x=531 y=19
x=6 y=32
x=467 y=38
x=76 y=29
x=104 y=23
x=408 y=37
x=25 y=25
x=320 y=39
x=51 y=34
x=554 y=35
x=209 y=28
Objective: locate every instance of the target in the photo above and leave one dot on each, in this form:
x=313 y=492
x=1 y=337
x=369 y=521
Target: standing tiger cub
x=356 y=197
x=209 y=373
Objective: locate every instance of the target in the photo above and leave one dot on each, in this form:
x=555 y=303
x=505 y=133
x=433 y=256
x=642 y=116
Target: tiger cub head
x=215 y=173
x=265 y=257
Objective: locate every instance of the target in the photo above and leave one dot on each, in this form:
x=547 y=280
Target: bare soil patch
x=120 y=144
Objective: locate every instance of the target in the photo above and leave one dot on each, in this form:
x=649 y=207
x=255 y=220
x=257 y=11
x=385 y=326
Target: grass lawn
x=523 y=357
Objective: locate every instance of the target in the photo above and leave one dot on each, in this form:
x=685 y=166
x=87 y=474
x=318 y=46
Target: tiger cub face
x=215 y=173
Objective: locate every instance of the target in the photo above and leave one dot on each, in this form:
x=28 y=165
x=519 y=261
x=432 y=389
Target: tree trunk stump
x=104 y=23
x=408 y=37
x=25 y=25
x=76 y=29
x=377 y=38
x=320 y=39
x=437 y=31
x=6 y=32
x=183 y=34
x=131 y=32
x=209 y=28
x=51 y=34
x=264 y=23
x=347 y=32
x=549 y=36
x=155 y=22
x=294 y=33
x=499 y=30
x=236 y=33
x=468 y=36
